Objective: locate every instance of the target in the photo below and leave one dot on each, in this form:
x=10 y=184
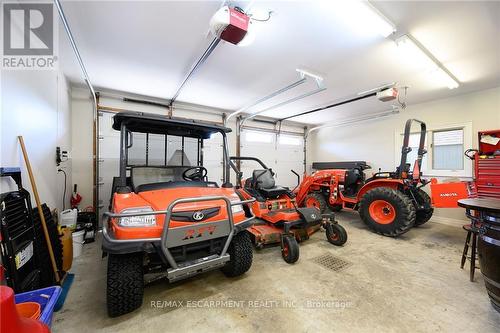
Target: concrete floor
x=409 y=284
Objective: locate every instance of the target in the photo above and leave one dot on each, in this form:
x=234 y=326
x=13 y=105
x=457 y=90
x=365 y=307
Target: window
x=447 y=149
x=289 y=140
x=262 y=137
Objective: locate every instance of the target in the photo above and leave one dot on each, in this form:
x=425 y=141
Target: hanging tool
x=40 y=211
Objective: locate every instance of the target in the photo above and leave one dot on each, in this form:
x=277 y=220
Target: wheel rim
x=334 y=236
x=312 y=202
x=285 y=250
x=382 y=212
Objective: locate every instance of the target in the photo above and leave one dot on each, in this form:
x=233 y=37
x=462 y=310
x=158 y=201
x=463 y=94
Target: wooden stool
x=471 y=232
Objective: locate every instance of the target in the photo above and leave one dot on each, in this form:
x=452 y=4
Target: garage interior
x=250 y=166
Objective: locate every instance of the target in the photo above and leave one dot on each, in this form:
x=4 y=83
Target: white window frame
x=427 y=169
x=290 y=137
x=262 y=134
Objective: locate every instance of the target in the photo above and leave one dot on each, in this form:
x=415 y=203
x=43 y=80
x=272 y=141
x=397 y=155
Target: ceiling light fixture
x=363 y=16
x=422 y=58
x=372 y=17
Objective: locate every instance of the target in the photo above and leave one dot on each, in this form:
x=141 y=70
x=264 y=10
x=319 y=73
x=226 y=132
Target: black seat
x=263 y=181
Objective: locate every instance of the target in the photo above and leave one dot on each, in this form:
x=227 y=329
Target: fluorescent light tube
x=370 y=16
x=424 y=60
x=362 y=16
x=444 y=79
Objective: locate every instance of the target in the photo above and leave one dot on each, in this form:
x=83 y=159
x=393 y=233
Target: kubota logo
x=199 y=232
x=198 y=216
x=452 y=194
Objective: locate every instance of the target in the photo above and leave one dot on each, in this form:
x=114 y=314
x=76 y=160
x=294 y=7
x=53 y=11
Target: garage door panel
x=106 y=123
x=212 y=159
x=280 y=157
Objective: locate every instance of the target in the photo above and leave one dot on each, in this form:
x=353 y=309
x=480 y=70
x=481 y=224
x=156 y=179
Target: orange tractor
x=389 y=203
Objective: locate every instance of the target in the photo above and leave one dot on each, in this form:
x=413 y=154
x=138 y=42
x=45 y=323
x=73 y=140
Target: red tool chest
x=487 y=165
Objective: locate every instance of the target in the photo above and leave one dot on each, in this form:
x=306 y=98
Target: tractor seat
x=266 y=184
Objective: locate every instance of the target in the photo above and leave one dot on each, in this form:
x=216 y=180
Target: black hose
x=64 y=192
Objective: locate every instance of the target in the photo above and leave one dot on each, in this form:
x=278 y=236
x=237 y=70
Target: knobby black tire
x=125 y=283
x=241 y=254
x=403 y=205
x=423 y=215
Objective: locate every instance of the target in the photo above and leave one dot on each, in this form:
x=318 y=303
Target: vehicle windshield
x=163 y=158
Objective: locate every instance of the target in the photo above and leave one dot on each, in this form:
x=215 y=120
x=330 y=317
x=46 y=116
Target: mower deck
x=265 y=233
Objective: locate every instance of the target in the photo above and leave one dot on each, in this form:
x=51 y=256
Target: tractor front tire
x=125 y=283
x=241 y=255
x=336 y=234
x=423 y=215
x=316 y=200
x=290 y=249
x=387 y=211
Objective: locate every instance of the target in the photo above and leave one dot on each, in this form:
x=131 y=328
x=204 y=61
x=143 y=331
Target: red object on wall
x=485 y=148
x=11 y=321
x=487 y=167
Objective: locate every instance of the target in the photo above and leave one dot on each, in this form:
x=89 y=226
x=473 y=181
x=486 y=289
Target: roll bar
x=406 y=142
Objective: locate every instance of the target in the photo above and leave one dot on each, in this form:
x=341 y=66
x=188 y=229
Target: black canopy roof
x=160 y=124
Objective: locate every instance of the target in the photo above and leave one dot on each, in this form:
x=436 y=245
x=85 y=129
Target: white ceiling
x=148 y=47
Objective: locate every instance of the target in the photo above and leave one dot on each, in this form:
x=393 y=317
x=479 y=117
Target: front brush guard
x=186 y=235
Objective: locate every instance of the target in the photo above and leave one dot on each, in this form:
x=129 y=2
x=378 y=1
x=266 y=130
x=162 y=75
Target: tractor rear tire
x=336 y=234
x=290 y=249
x=241 y=255
x=125 y=283
x=423 y=215
x=387 y=211
x=316 y=200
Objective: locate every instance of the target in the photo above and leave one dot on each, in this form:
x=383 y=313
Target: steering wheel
x=196 y=173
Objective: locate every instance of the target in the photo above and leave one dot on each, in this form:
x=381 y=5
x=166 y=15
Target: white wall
x=82 y=132
x=36 y=105
x=374 y=141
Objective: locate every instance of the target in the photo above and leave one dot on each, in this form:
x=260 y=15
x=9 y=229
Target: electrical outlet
x=58 y=156
x=61 y=156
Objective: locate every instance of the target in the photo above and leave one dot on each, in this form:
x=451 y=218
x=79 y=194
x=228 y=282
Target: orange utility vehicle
x=390 y=203
x=166 y=216
x=277 y=217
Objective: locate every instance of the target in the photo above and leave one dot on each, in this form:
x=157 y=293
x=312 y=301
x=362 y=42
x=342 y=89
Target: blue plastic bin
x=46 y=297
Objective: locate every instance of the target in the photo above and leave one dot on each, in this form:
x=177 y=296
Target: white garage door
x=109 y=155
x=282 y=153
x=109 y=159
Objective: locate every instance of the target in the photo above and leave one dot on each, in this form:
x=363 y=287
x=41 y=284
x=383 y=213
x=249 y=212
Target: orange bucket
x=29 y=310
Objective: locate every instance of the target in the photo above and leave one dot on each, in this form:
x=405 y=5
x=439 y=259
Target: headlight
x=137 y=221
x=236 y=208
